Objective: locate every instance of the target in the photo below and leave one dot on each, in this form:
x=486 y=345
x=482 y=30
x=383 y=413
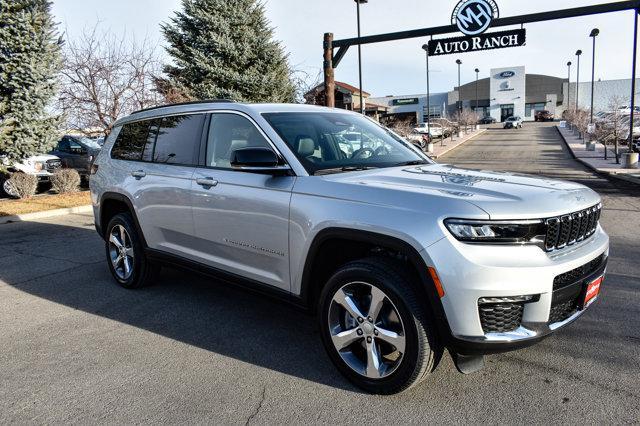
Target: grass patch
x=43 y=203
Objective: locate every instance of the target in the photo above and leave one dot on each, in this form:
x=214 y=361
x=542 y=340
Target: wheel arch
x=113 y=203
x=323 y=258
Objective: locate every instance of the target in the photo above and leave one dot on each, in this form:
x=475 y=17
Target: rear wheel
x=125 y=253
x=374 y=327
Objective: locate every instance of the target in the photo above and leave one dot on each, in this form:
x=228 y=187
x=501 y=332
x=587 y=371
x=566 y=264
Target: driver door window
x=227 y=133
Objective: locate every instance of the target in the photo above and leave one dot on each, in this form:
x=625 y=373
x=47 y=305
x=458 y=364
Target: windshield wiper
x=343 y=169
x=412 y=163
x=357 y=168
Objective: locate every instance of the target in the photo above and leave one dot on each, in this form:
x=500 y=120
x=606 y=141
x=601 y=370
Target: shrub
x=22 y=185
x=65 y=180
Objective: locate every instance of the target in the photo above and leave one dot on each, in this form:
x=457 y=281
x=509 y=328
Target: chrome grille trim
x=566 y=230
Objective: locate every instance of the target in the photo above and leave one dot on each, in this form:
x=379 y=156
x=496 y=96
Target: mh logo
x=473 y=17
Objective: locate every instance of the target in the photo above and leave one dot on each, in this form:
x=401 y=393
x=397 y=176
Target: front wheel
x=375 y=328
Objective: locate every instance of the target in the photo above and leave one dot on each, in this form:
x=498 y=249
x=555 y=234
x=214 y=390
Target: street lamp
x=569 y=86
x=425 y=47
x=358 y=3
x=477 y=71
x=594 y=34
x=459 y=62
x=578 y=53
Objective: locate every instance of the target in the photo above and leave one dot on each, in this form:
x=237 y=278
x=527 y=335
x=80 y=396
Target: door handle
x=138 y=174
x=207 y=182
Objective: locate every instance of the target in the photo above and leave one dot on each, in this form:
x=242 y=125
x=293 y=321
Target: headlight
x=497 y=232
x=38 y=166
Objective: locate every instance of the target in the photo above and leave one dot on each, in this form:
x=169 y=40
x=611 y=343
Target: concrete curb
x=449 y=149
x=45 y=214
x=590 y=166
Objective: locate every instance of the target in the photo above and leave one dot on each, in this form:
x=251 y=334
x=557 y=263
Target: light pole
x=594 y=34
x=459 y=62
x=578 y=53
x=477 y=72
x=425 y=47
x=569 y=86
x=358 y=2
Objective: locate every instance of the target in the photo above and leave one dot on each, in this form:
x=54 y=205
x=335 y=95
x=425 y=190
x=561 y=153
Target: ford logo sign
x=473 y=17
x=506 y=74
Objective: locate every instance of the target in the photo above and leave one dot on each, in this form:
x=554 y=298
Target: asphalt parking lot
x=75 y=347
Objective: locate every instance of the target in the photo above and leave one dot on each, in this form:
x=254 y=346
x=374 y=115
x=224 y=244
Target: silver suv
x=397 y=256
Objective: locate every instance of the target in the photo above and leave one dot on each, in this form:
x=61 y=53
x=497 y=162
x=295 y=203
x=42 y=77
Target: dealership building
x=506 y=92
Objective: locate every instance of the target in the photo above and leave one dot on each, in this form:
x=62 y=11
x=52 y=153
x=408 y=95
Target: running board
x=467 y=364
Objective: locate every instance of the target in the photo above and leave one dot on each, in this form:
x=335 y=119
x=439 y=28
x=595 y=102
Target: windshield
x=333 y=142
x=91 y=143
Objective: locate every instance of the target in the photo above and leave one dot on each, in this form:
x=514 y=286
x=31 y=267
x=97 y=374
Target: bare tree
x=466 y=118
x=106 y=77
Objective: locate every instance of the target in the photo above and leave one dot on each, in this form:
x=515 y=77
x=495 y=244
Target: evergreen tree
x=225 y=49
x=29 y=62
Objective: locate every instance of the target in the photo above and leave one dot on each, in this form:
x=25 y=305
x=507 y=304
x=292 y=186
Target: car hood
x=42 y=157
x=501 y=195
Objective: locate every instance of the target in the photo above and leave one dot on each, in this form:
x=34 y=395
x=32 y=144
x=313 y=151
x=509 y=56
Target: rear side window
x=178 y=139
x=131 y=141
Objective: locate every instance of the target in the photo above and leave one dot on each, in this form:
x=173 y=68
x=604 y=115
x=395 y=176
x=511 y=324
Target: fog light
x=510 y=299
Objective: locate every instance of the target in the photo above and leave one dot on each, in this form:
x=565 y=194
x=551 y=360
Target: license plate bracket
x=591 y=291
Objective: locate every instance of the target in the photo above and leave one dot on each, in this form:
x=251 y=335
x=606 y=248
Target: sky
x=392 y=68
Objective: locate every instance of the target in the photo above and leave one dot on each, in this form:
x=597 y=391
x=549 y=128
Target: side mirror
x=258 y=160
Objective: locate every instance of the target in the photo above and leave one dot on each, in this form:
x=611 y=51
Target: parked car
x=435 y=130
x=77 y=153
x=543 y=116
x=399 y=257
x=513 y=122
x=42 y=166
x=419 y=140
x=487 y=119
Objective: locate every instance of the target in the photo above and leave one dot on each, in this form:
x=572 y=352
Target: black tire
x=422 y=347
x=144 y=271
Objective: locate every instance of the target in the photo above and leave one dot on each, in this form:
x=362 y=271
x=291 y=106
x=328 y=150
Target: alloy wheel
x=9 y=189
x=121 y=252
x=366 y=330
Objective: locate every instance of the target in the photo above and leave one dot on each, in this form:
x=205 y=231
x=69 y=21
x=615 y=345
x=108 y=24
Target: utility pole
x=358 y=2
x=594 y=34
x=425 y=47
x=578 y=53
x=459 y=62
x=568 y=87
x=477 y=71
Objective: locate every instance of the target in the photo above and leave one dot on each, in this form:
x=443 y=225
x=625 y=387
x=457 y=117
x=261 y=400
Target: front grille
x=53 y=165
x=577 y=274
x=560 y=311
x=571 y=228
x=501 y=318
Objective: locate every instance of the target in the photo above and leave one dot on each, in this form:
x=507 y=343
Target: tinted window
x=178 y=139
x=131 y=141
x=147 y=151
x=227 y=133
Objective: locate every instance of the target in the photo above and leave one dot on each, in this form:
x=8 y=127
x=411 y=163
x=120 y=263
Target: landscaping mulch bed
x=42 y=203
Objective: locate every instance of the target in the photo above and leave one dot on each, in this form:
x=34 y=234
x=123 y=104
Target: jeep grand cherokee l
x=399 y=257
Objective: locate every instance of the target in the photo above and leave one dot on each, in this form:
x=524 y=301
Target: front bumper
x=469 y=273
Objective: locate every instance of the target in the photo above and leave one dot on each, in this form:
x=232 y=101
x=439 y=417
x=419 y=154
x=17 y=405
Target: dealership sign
x=473 y=17
x=498 y=40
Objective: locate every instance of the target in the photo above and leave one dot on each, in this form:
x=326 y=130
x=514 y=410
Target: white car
x=513 y=122
x=435 y=131
x=42 y=166
x=397 y=256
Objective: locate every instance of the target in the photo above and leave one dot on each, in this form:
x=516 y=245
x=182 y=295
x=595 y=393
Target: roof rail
x=206 y=101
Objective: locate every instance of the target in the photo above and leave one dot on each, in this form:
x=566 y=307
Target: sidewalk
x=439 y=149
x=595 y=159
